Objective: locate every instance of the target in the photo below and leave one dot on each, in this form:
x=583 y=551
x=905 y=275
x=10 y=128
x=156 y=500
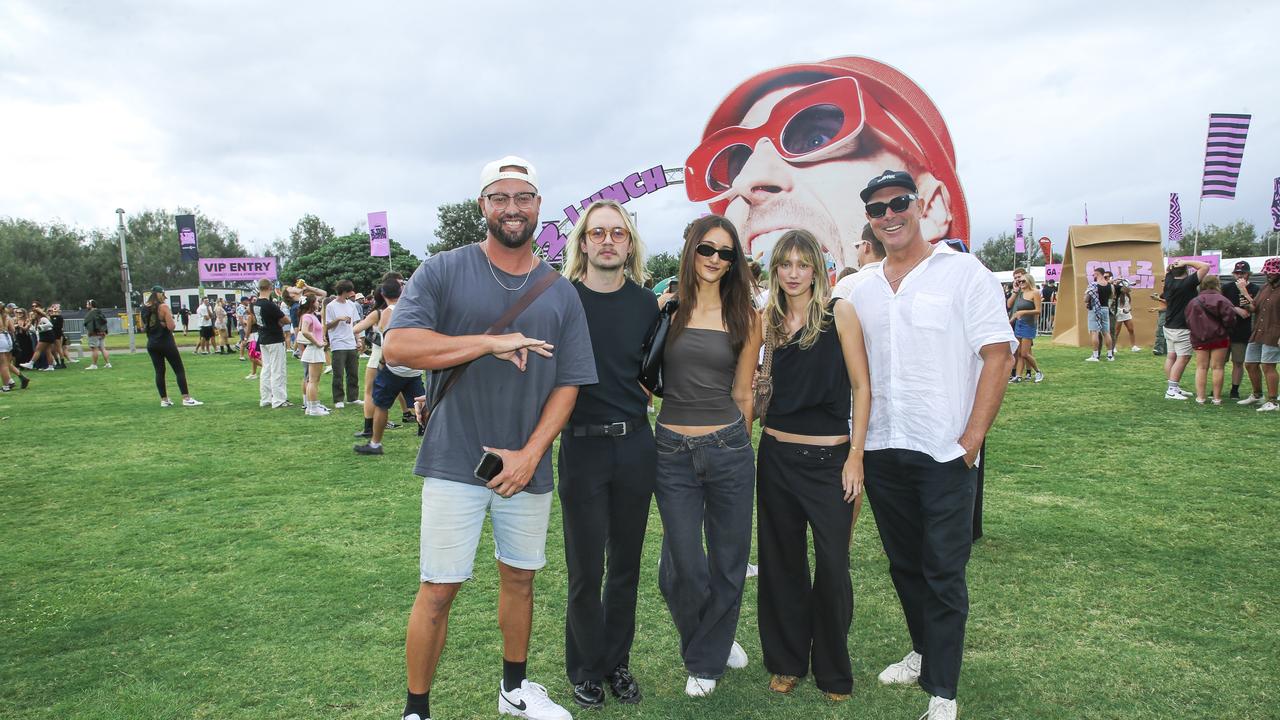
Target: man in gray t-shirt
x=515 y=397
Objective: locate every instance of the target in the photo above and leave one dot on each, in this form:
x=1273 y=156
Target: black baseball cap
x=1242 y=266
x=888 y=178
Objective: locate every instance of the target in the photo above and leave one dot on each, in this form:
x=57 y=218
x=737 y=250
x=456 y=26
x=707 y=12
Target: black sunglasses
x=726 y=254
x=898 y=204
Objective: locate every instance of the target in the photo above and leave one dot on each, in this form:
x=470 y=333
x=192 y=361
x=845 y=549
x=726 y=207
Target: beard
x=511 y=240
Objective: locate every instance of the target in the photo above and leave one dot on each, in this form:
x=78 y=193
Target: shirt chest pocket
x=930 y=311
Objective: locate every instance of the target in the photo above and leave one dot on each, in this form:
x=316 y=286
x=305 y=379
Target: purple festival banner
x=379 y=243
x=1053 y=271
x=1212 y=260
x=237 y=269
x=1275 y=208
x=1019 y=242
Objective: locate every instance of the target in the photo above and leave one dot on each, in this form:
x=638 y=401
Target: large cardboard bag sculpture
x=791 y=147
x=1132 y=253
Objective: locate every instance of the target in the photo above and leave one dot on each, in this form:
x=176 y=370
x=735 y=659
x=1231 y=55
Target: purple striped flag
x=1223 y=153
x=1275 y=208
x=1086 y=213
x=1175 y=220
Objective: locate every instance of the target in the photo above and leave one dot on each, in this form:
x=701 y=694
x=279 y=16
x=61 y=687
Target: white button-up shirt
x=922 y=346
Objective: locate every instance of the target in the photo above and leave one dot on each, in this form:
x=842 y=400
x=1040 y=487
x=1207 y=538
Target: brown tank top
x=697 y=373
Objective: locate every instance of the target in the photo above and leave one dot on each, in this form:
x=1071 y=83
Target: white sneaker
x=318 y=411
x=357 y=402
x=1251 y=400
x=191 y=402
x=166 y=403
x=108 y=366
x=752 y=570
x=1039 y=376
x=903 y=672
x=1269 y=407
x=251 y=376
x=940 y=709
x=327 y=369
x=530 y=701
x=339 y=406
x=92 y=367
x=1111 y=357
x=1172 y=394
x=414 y=716
x=75 y=360
x=737 y=657
x=1135 y=348
x=25 y=365
x=699 y=687
x=1091 y=358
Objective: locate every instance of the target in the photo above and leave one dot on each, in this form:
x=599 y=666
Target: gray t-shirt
x=494 y=404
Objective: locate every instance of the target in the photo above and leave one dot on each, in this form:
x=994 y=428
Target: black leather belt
x=616 y=429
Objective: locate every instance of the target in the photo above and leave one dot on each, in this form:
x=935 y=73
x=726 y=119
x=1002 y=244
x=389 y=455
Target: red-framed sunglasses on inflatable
x=815 y=123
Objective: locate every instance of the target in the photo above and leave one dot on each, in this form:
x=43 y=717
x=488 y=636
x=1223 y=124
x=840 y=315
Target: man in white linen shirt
x=940 y=351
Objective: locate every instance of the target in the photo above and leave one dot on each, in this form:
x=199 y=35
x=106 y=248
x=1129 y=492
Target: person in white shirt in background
x=940 y=351
x=869 y=252
x=340 y=316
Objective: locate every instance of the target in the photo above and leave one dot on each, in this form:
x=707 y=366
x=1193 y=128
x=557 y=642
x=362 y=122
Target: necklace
x=494 y=273
x=907 y=272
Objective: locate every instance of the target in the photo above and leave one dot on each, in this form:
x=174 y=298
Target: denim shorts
x=453 y=515
x=1099 y=320
x=1259 y=353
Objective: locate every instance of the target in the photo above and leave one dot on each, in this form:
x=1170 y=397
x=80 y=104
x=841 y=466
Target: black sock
x=368 y=425
x=512 y=673
x=1235 y=389
x=418 y=703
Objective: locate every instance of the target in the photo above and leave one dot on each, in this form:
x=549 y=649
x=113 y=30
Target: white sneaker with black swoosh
x=530 y=701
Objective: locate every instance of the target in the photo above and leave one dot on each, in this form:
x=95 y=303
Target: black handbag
x=654 y=345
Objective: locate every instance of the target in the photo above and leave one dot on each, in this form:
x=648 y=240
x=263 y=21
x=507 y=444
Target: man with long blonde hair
x=607 y=458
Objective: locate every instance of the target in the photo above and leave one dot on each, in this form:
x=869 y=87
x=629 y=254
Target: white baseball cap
x=493 y=172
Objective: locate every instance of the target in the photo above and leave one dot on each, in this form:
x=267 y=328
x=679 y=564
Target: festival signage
x=1046 y=249
x=379 y=243
x=1130 y=252
x=237 y=269
x=187 y=241
x=1019 y=242
x=1053 y=271
x=553 y=235
x=791 y=147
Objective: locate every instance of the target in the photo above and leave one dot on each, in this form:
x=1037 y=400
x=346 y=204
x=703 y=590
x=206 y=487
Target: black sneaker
x=393 y=425
x=367 y=449
x=623 y=685
x=24 y=380
x=588 y=694
x=364 y=434
x=1235 y=395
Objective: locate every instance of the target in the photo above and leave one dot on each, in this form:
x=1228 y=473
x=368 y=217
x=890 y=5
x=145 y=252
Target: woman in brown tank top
x=706 y=467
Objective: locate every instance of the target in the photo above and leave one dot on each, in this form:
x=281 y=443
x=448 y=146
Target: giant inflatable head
x=791 y=147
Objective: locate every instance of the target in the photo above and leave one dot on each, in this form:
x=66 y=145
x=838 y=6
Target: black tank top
x=157 y=332
x=811 y=391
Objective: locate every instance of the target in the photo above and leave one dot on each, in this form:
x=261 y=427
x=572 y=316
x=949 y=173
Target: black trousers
x=804 y=622
x=345 y=367
x=605 y=487
x=159 y=354
x=924 y=511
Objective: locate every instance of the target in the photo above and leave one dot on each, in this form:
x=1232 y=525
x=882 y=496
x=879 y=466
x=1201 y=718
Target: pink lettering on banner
x=1053 y=271
x=553 y=235
x=236 y=269
x=1137 y=272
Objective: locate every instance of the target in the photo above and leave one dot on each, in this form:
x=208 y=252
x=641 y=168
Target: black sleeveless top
x=157 y=332
x=811 y=391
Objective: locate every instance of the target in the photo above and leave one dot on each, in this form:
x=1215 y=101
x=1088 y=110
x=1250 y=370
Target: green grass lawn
x=228 y=561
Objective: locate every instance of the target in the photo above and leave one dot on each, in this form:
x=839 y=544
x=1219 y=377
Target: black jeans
x=705 y=485
x=924 y=511
x=345 y=365
x=605 y=486
x=802 y=622
x=159 y=354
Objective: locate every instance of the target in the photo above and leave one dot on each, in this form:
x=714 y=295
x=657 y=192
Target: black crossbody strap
x=513 y=312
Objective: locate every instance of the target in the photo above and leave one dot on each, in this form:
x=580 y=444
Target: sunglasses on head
x=814 y=123
x=898 y=204
x=707 y=250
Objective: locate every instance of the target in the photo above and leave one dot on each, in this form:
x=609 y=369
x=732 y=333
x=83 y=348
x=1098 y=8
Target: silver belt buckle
x=617 y=429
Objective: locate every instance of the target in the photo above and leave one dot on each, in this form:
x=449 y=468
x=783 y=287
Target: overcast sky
x=258 y=113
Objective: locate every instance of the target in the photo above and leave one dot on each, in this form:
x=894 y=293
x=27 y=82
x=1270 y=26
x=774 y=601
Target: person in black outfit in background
x=157 y=320
x=607 y=458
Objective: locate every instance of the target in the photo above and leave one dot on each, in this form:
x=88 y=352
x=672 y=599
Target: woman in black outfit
x=809 y=471
x=157 y=320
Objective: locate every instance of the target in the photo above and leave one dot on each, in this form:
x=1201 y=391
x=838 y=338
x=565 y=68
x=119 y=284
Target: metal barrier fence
x=1044 y=323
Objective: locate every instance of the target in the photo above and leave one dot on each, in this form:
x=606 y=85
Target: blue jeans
x=705 y=485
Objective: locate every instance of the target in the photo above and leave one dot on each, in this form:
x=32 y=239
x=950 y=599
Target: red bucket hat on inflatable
x=879 y=98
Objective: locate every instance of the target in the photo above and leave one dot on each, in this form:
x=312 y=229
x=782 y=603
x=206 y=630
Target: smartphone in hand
x=489 y=466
